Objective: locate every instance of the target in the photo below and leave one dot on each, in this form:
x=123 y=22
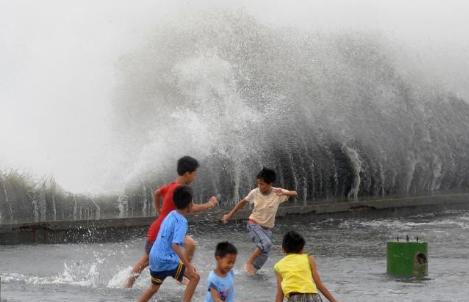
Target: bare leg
x=136 y=271
x=148 y=293
x=249 y=266
x=189 y=246
x=194 y=279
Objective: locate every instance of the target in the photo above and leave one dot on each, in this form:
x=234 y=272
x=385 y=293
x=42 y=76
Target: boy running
x=167 y=256
x=187 y=172
x=266 y=200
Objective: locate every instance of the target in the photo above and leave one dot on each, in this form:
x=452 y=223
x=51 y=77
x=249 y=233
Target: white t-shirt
x=265 y=206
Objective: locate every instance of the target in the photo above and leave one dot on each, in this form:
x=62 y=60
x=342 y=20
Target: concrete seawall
x=124 y=228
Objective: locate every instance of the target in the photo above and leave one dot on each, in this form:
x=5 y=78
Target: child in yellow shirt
x=297 y=277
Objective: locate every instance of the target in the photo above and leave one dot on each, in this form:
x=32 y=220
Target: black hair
x=293 y=242
x=224 y=248
x=182 y=197
x=187 y=164
x=267 y=175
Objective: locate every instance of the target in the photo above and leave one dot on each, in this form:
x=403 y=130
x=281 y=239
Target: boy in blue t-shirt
x=221 y=280
x=167 y=257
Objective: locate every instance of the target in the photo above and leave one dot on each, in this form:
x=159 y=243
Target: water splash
x=119 y=278
x=6 y=198
x=356 y=168
x=241 y=95
x=123 y=206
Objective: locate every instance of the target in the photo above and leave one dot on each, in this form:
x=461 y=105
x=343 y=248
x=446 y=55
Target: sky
x=58 y=67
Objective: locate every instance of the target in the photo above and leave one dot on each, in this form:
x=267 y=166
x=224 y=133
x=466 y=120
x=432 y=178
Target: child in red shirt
x=187 y=172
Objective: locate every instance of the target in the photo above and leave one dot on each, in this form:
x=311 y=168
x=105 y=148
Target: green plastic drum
x=407 y=259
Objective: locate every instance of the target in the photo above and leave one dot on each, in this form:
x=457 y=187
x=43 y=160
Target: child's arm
x=210 y=204
x=215 y=295
x=157 y=201
x=283 y=192
x=236 y=208
x=179 y=250
x=279 y=295
x=322 y=288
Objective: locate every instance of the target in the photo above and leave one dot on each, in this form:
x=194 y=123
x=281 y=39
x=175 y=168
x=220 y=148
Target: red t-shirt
x=166 y=192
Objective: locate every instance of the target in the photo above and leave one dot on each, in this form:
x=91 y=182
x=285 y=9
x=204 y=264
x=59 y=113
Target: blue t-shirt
x=173 y=230
x=223 y=285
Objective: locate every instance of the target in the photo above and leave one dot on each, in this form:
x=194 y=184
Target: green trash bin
x=407 y=259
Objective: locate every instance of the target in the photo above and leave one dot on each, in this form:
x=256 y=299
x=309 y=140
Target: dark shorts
x=298 y=297
x=158 y=277
x=148 y=245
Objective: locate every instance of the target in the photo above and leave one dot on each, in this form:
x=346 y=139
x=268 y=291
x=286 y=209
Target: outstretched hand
x=225 y=219
x=213 y=201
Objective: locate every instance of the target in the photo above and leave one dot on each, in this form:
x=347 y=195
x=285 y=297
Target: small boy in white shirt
x=266 y=200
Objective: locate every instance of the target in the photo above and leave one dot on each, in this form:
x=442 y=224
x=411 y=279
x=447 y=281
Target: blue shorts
x=157 y=278
x=261 y=236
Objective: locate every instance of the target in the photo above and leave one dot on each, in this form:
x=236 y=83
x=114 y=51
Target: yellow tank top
x=296 y=274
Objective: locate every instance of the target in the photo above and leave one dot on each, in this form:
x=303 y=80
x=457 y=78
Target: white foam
x=119 y=278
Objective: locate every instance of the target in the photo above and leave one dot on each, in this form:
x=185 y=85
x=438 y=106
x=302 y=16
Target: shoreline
x=125 y=228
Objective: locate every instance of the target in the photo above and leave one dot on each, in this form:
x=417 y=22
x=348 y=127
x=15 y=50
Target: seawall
x=124 y=228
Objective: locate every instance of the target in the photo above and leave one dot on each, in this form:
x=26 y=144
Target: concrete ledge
x=124 y=228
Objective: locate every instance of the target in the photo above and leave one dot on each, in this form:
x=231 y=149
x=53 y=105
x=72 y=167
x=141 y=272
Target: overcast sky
x=58 y=67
